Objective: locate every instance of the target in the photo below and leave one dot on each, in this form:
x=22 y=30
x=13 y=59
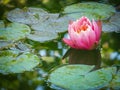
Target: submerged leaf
x=14 y=32
x=92 y=10
x=16 y=62
x=79 y=77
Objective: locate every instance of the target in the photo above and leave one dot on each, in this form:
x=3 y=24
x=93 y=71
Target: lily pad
x=116 y=19
x=27 y=15
x=113 y=25
x=53 y=24
x=42 y=36
x=16 y=62
x=80 y=77
x=109 y=27
x=14 y=32
x=92 y=10
x=39 y=19
x=4 y=44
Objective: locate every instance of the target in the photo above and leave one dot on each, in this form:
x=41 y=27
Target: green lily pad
x=42 y=36
x=113 y=25
x=4 y=44
x=115 y=20
x=79 y=77
x=92 y=10
x=12 y=61
x=109 y=27
x=39 y=19
x=27 y=15
x=14 y=32
x=53 y=24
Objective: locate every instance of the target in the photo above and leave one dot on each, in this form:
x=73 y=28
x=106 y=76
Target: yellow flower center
x=83 y=27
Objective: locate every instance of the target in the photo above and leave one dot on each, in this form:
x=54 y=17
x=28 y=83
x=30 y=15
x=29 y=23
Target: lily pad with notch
x=80 y=77
x=14 y=32
x=27 y=15
x=13 y=61
x=39 y=19
x=92 y=10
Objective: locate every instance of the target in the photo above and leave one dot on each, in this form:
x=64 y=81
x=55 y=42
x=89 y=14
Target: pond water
x=34 y=57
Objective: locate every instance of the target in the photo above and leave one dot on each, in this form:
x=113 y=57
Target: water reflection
x=92 y=57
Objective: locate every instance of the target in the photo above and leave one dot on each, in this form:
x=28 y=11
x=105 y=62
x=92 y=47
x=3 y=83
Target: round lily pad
x=92 y=10
x=12 y=61
x=27 y=15
x=80 y=77
x=42 y=36
x=14 y=32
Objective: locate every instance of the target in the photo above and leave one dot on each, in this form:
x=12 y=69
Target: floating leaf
x=113 y=25
x=53 y=24
x=14 y=32
x=39 y=19
x=116 y=21
x=109 y=27
x=92 y=10
x=4 y=44
x=42 y=36
x=79 y=77
x=16 y=62
x=27 y=15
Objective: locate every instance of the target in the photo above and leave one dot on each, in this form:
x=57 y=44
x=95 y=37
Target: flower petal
x=97 y=28
x=92 y=38
x=69 y=42
x=83 y=40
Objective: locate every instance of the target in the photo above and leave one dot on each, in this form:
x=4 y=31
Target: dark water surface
x=53 y=53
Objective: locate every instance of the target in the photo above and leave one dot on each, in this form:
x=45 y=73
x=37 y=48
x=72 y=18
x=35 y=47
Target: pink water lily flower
x=84 y=34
